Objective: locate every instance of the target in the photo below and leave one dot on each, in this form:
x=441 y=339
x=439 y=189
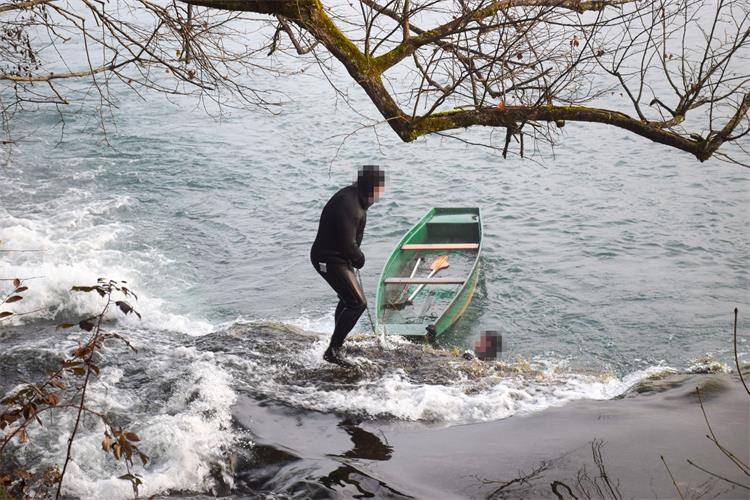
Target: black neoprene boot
x=334 y=356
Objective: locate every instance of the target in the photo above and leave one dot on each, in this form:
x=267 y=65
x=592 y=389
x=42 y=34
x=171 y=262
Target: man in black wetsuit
x=335 y=252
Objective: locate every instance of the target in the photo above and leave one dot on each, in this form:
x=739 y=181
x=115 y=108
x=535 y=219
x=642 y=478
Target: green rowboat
x=444 y=296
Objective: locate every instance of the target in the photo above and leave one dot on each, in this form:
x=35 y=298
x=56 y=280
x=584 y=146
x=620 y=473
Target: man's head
x=371 y=182
x=489 y=345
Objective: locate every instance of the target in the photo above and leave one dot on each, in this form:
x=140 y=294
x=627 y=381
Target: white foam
x=68 y=248
x=183 y=439
x=468 y=399
x=321 y=324
x=396 y=396
x=708 y=364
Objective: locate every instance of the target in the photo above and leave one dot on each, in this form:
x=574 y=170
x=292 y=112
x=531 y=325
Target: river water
x=604 y=261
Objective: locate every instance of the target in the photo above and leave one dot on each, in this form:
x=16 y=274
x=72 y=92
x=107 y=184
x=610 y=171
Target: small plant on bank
x=741 y=465
x=600 y=484
x=10 y=298
x=65 y=390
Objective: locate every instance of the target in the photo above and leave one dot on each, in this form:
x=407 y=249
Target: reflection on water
x=367 y=487
x=366 y=444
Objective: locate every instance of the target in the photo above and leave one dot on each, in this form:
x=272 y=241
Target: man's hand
x=359 y=263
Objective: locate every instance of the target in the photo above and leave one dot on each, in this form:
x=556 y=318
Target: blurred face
x=374 y=178
x=488 y=346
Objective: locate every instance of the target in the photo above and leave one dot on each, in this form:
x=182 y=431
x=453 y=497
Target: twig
x=739 y=463
x=83 y=393
x=596 y=452
x=736 y=357
x=27 y=312
x=718 y=476
x=671 y=476
x=522 y=479
x=554 y=486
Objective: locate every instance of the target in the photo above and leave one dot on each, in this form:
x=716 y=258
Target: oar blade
x=440 y=263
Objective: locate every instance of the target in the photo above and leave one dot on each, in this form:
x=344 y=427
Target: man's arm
x=349 y=233
x=361 y=230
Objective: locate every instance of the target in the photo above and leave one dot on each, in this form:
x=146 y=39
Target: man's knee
x=357 y=304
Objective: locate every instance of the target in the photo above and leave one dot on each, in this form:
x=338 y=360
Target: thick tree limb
x=526 y=54
x=312 y=17
x=509 y=116
x=286 y=8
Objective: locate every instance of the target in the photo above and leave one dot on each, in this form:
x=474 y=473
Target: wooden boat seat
x=461 y=218
x=440 y=246
x=423 y=281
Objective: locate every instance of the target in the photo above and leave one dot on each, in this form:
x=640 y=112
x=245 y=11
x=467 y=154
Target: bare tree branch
x=680 y=68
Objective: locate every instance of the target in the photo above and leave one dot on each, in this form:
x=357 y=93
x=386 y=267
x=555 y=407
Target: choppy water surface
x=610 y=260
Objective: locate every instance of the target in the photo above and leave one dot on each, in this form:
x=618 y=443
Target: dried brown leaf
x=107 y=442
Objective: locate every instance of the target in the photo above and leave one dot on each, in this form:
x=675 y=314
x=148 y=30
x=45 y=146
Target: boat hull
x=454 y=232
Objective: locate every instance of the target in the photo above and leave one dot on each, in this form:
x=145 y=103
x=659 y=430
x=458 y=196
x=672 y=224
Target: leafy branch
x=13 y=296
x=25 y=406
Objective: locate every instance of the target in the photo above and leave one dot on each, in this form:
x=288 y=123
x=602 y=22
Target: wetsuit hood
x=364 y=193
x=368 y=180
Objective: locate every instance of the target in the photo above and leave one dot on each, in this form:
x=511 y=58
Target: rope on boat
x=379 y=339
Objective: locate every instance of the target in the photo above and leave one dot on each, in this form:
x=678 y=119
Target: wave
x=60 y=245
x=180 y=407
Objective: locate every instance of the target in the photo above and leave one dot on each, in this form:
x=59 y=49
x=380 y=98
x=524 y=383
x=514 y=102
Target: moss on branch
x=512 y=116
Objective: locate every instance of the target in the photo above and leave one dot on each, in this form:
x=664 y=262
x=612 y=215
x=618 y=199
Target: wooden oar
x=398 y=304
x=438 y=264
x=413 y=272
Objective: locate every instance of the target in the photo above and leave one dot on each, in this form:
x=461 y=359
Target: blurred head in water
x=371 y=182
x=489 y=345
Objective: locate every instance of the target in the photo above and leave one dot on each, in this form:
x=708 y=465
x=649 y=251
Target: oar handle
x=414 y=294
x=413 y=272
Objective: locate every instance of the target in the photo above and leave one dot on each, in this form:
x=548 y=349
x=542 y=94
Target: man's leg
x=339 y=308
x=352 y=304
x=353 y=299
x=319 y=266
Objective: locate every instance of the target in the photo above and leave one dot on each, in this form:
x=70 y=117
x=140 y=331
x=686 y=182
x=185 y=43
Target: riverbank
x=322 y=454
x=252 y=410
